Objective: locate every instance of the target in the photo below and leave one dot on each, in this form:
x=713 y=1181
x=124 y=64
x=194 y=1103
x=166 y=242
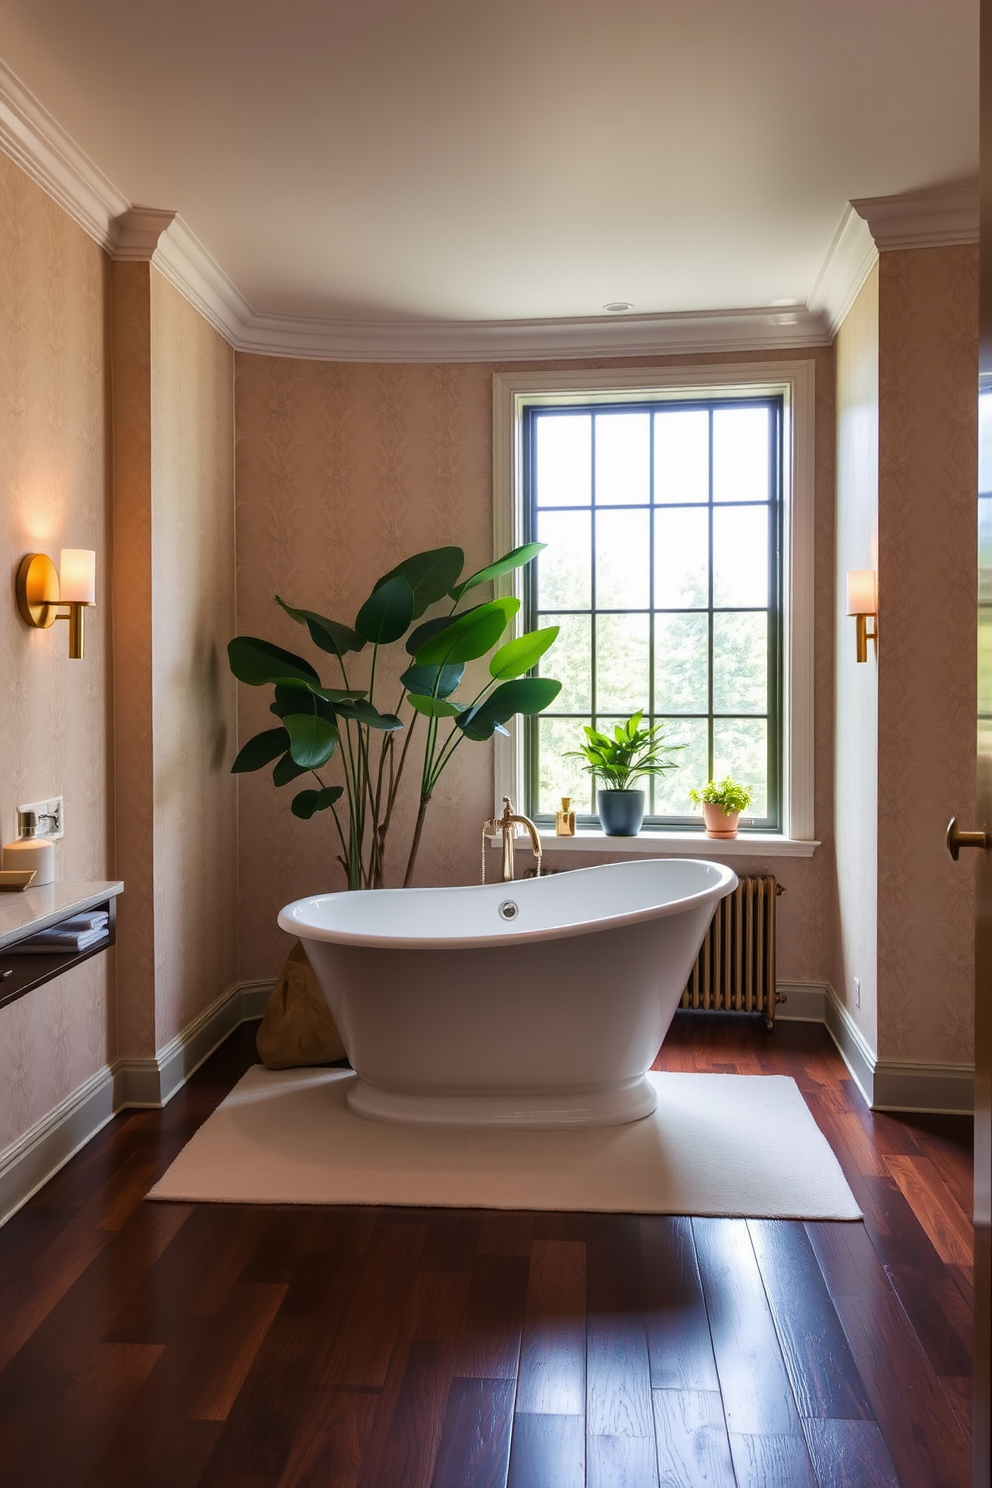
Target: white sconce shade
x=862 y=602
x=77 y=576
x=862 y=592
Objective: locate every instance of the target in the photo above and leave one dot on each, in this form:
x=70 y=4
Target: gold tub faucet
x=506 y=826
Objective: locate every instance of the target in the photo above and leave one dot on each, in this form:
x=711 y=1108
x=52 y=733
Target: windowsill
x=680 y=844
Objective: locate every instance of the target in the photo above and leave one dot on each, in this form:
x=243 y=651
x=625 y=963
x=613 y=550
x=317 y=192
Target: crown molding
x=182 y=259
x=533 y=340
x=850 y=259
x=40 y=146
x=936 y=217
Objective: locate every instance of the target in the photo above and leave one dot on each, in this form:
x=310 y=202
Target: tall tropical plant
x=318 y=723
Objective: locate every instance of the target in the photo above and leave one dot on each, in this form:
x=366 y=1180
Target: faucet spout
x=506 y=826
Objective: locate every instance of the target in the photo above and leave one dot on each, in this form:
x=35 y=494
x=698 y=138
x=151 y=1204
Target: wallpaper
x=928 y=375
x=193 y=696
x=343 y=470
x=55 y=713
x=856 y=730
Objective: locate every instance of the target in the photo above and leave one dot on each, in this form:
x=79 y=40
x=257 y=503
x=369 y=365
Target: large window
x=662 y=570
x=676 y=508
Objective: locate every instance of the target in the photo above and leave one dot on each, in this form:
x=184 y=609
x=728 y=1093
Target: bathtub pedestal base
x=611 y=1106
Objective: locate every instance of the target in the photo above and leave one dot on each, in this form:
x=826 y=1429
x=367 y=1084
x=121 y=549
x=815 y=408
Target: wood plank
x=475 y=1437
x=98 y=1395
x=547 y=1452
x=371 y=1324
x=822 y=1372
x=506 y=1232
x=409 y=1444
x=921 y=1434
x=154 y=1452
x=692 y=1443
x=753 y=1379
x=489 y=1347
x=331 y=1439
x=941 y=1318
x=849 y=1454
x=277 y=1394
x=773 y=1462
x=621 y=1462
x=679 y=1345
x=618 y=1374
x=946 y=1224
x=552 y=1373
x=252 y=1310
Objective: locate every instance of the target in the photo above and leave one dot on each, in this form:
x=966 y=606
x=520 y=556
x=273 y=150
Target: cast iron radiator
x=735 y=969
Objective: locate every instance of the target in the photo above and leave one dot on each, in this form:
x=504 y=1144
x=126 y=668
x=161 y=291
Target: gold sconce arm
x=38 y=590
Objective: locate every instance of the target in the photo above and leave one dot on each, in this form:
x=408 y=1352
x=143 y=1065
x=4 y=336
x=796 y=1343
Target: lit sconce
x=862 y=603
x=40 y=591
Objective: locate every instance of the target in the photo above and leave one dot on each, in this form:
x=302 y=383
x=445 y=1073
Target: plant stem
x=417 y=831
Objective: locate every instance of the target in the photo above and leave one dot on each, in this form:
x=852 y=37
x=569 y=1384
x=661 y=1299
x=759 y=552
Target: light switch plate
x=54 y=808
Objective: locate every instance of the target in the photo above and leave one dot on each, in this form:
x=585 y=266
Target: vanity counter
x=25 y=913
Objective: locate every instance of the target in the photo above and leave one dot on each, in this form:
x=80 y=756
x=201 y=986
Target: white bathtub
x=540 y=1003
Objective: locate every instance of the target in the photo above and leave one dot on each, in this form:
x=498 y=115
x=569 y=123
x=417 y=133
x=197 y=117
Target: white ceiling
x=404 y=160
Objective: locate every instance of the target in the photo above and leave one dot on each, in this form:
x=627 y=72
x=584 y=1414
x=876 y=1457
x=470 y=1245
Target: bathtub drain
x=508 y=910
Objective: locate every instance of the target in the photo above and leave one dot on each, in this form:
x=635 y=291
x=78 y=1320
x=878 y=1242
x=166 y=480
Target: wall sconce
x=862 y=603
x=40 y=590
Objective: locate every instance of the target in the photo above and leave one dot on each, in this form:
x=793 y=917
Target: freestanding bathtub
x=538 y=1003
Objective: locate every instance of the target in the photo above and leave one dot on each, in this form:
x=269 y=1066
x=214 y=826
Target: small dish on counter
x=17 y=878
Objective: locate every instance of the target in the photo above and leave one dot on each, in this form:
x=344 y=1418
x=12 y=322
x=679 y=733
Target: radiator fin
x=735 y=968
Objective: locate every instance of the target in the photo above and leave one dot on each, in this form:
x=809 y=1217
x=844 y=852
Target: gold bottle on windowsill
x=565 y=819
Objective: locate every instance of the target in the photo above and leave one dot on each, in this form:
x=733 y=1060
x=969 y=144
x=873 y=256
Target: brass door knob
x=956 y=839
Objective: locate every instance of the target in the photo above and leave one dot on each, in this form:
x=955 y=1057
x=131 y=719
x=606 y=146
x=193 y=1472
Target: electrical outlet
x=50 y=814
x=857 y=992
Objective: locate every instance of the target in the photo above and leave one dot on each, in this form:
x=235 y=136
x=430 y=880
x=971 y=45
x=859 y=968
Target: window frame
x=793 y=382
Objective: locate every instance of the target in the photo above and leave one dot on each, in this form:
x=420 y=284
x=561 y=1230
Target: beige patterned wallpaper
x=55 y=713
x=928 y=376
x=193 y=694
x=344 y=469
x=856 y=717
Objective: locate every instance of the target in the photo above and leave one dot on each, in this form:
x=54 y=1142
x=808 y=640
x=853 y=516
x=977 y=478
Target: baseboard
x=28 y=1164
x=886 y=1084
x=153 y=1082
x=801 y=1002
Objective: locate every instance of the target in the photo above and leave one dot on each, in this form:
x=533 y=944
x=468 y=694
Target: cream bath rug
x=735 y=1145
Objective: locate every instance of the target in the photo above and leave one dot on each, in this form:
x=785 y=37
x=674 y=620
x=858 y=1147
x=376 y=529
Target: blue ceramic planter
x=621 y=812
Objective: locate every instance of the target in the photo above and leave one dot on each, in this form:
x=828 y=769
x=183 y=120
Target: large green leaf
x=435 y=707
x=387 y=612
x=516 y=559
x=260 y=750
x=298 y=700
x=329 y=635
x=287 y=769
x=430 y=575
x=363 y=712
x=423 y=633
x=312 y=740
x=518 y=656
x=307 y=803
x=527 y=695
x=468 y=636
x=257 y=662
x=432 y=681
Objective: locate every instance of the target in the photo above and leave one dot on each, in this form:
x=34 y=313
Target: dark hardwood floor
x=212 y=1346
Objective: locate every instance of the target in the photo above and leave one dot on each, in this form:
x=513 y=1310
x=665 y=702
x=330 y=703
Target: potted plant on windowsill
x=617 y=762
x=722 y=805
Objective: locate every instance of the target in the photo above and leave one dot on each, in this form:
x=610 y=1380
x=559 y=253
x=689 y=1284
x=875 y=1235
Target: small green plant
x=729 y=794
x=632 y=752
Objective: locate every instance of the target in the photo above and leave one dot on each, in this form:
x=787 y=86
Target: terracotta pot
x=719 y=823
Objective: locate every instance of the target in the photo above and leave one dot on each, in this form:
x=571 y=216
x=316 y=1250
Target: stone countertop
x=27 y=911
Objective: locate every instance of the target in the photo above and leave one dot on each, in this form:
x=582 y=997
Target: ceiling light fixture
x=618 y=307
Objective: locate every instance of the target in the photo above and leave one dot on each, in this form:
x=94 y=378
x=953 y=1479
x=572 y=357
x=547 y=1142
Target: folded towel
x=50 y=942
x=93 y=919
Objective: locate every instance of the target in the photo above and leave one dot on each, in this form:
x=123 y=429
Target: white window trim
x=794 y=382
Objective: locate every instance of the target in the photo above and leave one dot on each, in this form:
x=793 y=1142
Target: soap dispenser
x=30 y=851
